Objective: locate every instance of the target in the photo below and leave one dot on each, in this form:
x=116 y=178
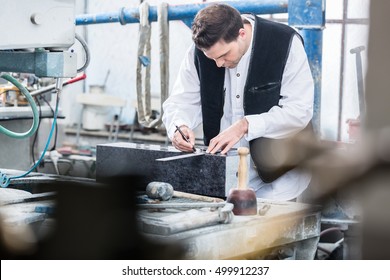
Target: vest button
x=238 y=74
x=237 y=96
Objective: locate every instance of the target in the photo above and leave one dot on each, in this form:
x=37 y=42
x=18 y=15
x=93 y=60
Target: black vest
x=270 y=48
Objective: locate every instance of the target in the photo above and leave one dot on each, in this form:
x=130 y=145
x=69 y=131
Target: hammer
x=165 y=191
x=243 y=198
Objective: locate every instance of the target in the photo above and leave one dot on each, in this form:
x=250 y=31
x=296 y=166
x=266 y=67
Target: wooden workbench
x=288 y=230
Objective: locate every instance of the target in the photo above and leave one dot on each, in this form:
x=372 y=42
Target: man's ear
x=242 y=33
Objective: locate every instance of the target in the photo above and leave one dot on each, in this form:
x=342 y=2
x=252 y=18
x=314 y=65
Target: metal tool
x=198 y=152
x=181 y=156
x=51 y=87
x=165 y=191
x=18 y=198
x=187 y=220
x=180 y=205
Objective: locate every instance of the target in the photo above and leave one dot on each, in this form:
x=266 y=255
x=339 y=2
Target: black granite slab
x=211 y=175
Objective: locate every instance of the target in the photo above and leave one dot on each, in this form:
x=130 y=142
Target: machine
x=35 y=45
x=39 y=45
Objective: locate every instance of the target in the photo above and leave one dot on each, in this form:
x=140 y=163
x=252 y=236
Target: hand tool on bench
x=20 y=198
x=243 y=198
x=187 y=220
x=165 y=191
x=180 y=205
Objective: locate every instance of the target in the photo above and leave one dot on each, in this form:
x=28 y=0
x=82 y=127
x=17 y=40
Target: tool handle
x=184 y=221
x=242 y=168
x=75 y=79
x=196 y=197
x=182 y=134
x=196 y=218
x=51 y=87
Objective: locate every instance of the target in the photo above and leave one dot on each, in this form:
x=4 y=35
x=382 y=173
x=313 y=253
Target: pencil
x=185 y=137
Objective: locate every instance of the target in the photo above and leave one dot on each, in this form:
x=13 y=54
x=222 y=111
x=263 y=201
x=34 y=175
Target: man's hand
x=181 y=144
x=229 y=137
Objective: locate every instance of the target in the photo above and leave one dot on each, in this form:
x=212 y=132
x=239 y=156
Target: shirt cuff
x=256 y=127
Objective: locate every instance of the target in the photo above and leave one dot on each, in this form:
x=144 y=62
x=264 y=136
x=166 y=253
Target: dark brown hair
x=215 y=22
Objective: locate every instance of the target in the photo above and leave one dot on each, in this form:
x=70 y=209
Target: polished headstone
x=206 y=174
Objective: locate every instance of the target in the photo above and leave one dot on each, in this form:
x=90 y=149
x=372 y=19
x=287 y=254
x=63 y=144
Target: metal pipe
x=179 y=12
x=314 y=54
x=309 y=17
x=342 y=68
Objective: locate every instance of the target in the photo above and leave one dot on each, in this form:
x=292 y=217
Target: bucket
x=94 y=117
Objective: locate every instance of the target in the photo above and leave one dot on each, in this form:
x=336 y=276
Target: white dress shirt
x=183 y=107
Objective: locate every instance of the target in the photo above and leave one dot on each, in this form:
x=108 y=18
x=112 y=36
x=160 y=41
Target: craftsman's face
x=228 y=54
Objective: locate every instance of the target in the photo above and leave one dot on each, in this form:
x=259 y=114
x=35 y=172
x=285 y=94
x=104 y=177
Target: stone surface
x=211 y=175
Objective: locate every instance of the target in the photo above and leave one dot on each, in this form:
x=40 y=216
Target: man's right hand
x=180 y=143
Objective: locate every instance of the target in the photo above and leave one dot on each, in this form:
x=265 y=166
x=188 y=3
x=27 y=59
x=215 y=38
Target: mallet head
x=159 y=190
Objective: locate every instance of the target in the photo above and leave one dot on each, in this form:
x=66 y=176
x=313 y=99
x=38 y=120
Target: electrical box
x=37 y=24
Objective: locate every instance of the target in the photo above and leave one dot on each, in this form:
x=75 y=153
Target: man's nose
x=219 y=62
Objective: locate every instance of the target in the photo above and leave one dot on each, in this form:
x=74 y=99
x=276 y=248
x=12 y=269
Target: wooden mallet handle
x=196 y=197
x=242 y=168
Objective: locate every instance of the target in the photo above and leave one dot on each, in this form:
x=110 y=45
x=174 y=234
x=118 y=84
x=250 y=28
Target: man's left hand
x=228 y=138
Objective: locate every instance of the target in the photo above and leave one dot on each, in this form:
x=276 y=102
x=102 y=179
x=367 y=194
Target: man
x=245 y=78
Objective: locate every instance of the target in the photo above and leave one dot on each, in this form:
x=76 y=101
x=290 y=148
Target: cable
x=5 y=180
x=36 y=134
x=30 y=100
x=87 y=53
x=56 y=128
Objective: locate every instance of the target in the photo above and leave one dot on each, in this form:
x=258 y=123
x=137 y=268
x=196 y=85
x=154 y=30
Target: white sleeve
x=296 y=103
x=183 y=106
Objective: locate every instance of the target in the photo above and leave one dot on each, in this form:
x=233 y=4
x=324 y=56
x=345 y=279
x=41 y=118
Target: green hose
x=34 y=108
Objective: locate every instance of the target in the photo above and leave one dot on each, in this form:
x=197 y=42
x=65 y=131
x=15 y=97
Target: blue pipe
x=180 y=12
x=308 y=16
x=314 y=54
